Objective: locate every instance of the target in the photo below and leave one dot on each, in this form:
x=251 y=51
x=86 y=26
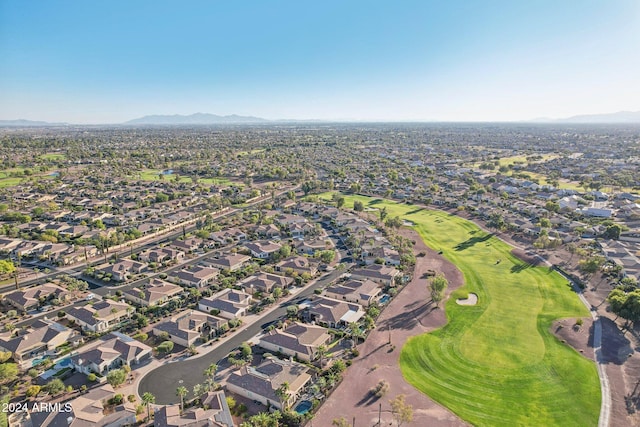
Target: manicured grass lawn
x=497 y=363
x=54 y=156
x=9 y=182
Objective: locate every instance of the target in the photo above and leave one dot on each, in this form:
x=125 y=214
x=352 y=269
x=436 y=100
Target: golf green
x=497 y=363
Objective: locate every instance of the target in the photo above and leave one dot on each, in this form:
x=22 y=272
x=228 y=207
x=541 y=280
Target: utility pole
x=380 y=415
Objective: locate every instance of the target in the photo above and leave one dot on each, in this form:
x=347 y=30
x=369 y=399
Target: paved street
x=164 y=380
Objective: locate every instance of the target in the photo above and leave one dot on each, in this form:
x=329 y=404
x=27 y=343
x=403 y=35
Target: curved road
x=163 y=381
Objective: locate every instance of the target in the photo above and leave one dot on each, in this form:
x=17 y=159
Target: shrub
x=92 y=377
x=33 y=390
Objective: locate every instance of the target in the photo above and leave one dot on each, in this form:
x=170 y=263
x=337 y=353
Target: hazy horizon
x=418 y=61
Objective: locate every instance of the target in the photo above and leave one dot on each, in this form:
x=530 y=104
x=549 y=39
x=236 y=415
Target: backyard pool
x=385 y=298
x=303 y=407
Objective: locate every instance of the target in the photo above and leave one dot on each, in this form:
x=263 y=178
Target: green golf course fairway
x=497 y=363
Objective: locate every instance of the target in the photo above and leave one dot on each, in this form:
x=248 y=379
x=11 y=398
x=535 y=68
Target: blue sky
x=111 y=61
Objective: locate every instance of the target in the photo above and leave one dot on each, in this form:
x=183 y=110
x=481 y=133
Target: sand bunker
x=472 y=299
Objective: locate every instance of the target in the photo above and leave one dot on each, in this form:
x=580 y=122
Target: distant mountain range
x=619 y=117
x=28 y=123
x=194 y=119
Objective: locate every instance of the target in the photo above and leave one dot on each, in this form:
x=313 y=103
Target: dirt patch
x=580 y=337
x=410 y=313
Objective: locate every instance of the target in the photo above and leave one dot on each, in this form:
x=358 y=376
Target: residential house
x=121 y=270
x=186 y=327
x=390 y=256
x=197 y=276
x=270 y=231
x=216 y=414
x=229 y=303
x=160 y=255
x=299 y=264
x=188 y=245
x=227 y=236
x=261 y=383
x=112 y=351
x=31 y=298
x=156 y=293
x=310 y=247
x=263 y=250
x=363 y=292
x=36 y=342
x=231 y=262
x=87 y=410
x=298 y=340
x=101 y=316
x=333 y=313
x=265 y=282
x=381 y=274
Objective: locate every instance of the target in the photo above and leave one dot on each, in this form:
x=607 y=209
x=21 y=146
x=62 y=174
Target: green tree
x=4 y=356
x=358 y=206
x=7 y=266
x=182 y=392
x=340 y=422
x=147 y=400
x=612 y=232
x=264 y=419
x=283 y=394
x=116 y=377
x=8 y=372
x=54 y=386
x=33 y=390
x=437 y=286
x=402 y=411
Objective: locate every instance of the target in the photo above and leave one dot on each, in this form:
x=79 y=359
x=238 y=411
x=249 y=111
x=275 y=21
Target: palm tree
x=182 y=392
x=148 y=399
x=210 y=372
x=356 y=333
x=321 y=351
x=283 y=394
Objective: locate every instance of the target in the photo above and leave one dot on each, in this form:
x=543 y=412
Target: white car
x=89 y=297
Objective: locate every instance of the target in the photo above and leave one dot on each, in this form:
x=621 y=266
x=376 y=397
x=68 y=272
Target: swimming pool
x=385 y=298
x=303 y=407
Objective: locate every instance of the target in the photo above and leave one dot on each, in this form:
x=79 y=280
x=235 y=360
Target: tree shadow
x=408 y=319
x=415 y=211
x=368 y=399
x=520 y=268
x=376 y=202
x=472 y=241
x=616 y=348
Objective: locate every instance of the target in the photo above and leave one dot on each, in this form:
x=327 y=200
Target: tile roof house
x=298 y=340
x=186 y=327
x=216 y=414
x=263 y=250
x=299 y=264
x=228 y=303
x=261 y=382
x=231 y=262
x=332 y=313
x=123 y=268
x=363 y=292
x=88 y=410
x=381 y=274
x=227 y=236
x=156 y=293
x=265 y=282
x=110 y=352
x=37 y=341
x=101 y=316
x=31 y=298
x=197 y=276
